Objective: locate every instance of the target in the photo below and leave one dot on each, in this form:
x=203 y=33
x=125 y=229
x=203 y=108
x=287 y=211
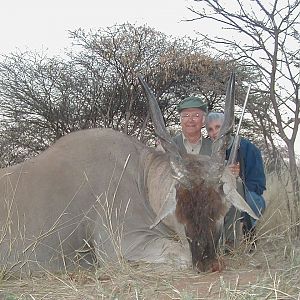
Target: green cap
x=192 y=102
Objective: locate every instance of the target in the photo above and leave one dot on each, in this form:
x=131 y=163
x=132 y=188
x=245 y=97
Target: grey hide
x=88 y=190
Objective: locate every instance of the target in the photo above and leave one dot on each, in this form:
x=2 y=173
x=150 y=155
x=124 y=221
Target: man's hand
x=235 y=169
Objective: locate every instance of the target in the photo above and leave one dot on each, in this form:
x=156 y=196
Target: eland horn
x=158 y=121
x=179 y=171
x=219 y=146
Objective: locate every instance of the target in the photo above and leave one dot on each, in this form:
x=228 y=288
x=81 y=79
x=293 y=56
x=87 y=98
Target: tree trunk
x=295 y=187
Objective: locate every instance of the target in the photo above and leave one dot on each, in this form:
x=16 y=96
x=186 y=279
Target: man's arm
x=255 y=179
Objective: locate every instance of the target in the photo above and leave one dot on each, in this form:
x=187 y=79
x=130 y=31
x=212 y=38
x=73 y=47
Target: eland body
x=98 y=194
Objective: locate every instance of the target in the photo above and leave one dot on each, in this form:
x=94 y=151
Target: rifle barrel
x=243 y=112
x=236 y=142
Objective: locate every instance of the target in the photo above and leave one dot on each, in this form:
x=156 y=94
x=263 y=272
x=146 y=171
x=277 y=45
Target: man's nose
x=191 y=120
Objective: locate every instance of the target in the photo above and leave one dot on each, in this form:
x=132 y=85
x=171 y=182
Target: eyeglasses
x=194 y=117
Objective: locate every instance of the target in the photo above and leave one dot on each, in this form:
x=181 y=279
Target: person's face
x=192 y=120
x=213 y=129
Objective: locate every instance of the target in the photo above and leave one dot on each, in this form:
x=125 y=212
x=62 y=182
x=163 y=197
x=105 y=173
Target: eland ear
x=168 y=206
x=232 y=196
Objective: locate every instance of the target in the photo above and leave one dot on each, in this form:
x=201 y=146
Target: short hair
x=213 y=117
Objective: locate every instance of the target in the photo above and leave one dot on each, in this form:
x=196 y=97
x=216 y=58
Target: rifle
x=236 y=142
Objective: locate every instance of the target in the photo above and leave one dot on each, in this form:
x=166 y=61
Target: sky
x=43 y=25
x=40 y=24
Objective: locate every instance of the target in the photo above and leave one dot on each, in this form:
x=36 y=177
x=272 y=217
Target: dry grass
x=270 y=272
x=276 y=217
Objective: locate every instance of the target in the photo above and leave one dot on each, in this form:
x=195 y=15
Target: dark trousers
x=233 y=222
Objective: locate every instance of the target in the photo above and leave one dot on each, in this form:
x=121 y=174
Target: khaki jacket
x=205 y=147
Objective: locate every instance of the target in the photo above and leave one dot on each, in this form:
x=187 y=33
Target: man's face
x=213 y=129
x=192 y=120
